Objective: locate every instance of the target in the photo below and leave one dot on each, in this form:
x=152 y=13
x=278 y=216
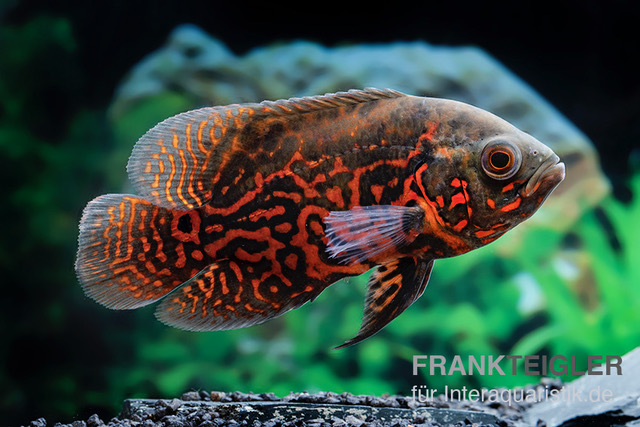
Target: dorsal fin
x=330 y=100
x=174 y=164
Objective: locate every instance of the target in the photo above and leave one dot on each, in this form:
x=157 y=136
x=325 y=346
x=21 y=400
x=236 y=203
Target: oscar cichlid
x=247 y=211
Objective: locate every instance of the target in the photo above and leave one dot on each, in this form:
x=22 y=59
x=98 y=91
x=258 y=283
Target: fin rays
x=392 y=288
x=172 y=163
x=176 y=162
x=230 y=295
x=122 y=252
x=366 y=232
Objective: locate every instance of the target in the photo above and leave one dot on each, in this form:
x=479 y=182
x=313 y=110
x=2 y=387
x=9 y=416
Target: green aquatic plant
x=604 y=320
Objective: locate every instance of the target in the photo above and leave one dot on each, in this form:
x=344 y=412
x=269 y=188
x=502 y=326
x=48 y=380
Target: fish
x=244 y=212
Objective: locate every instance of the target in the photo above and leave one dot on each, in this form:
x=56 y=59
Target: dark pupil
x=499 y=160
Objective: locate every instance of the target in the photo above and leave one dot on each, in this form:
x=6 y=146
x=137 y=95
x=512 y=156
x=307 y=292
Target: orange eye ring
x=501 y=160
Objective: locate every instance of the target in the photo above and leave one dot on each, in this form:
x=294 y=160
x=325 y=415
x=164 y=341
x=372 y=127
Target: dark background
x=581 y=56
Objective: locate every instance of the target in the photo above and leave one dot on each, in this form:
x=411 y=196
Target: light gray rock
x=595 y=399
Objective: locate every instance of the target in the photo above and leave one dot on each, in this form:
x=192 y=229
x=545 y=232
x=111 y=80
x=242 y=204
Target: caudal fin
x=132 y=253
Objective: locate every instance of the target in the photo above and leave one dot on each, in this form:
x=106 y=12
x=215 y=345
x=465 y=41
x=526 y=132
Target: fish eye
x=501 y=160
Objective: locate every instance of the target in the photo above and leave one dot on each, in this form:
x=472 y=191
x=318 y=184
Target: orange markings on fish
x=457 y=199
x=511 y=206
x=508 y=187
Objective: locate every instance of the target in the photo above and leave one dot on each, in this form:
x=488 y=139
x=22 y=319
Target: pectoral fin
x=391 y=289
x=366 y=232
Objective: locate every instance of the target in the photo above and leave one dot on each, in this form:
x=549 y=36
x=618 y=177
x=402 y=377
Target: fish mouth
x=550 y=173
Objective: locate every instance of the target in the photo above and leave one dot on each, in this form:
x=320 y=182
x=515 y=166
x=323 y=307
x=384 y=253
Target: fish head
x=485 y=176
x=514 y=174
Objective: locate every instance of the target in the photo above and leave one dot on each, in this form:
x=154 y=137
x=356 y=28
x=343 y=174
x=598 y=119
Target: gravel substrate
x=211 y=409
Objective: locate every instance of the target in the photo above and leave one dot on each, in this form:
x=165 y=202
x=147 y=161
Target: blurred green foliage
x=65 y=356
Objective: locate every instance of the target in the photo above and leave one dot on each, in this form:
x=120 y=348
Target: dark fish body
x=247 y=211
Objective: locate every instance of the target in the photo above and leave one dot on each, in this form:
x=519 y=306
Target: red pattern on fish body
x=257 y=208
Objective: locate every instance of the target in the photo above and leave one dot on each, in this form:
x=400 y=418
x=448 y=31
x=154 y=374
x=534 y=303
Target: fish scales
x=247 y=211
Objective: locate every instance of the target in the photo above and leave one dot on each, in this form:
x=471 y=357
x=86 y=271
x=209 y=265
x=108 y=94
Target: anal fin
x=392 y=288
x=231 y=294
